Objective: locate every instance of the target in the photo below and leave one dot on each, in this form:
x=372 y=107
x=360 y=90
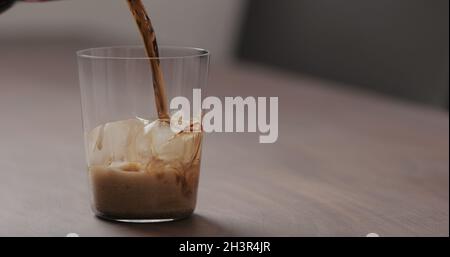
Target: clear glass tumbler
x=139 y=169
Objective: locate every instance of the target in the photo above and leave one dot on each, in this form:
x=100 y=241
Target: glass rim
x=199 y=52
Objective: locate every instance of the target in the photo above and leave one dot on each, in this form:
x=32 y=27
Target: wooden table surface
x=346 y=163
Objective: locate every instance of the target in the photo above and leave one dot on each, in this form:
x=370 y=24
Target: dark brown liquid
x=151 y=46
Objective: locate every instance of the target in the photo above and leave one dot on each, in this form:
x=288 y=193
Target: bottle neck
x=5 y=5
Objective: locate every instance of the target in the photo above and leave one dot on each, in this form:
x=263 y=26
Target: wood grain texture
x=346 y=164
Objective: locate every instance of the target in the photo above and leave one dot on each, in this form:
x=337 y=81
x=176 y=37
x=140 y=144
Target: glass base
x=139 y=221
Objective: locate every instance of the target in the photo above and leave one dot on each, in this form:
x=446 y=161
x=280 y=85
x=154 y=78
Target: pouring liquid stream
x=151 y=46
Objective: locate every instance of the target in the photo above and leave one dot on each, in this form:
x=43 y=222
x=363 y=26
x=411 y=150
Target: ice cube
x=158 y=133
x=115 y=141
x=181 y=148
x=138 y=141
x=172 y=147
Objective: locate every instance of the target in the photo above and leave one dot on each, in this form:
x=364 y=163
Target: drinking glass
x=140 y=170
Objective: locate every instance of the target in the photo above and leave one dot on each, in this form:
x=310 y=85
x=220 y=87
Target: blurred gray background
x=397 y=48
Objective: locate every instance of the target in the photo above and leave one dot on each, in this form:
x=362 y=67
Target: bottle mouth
x=5 y=5
x=138 y=52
